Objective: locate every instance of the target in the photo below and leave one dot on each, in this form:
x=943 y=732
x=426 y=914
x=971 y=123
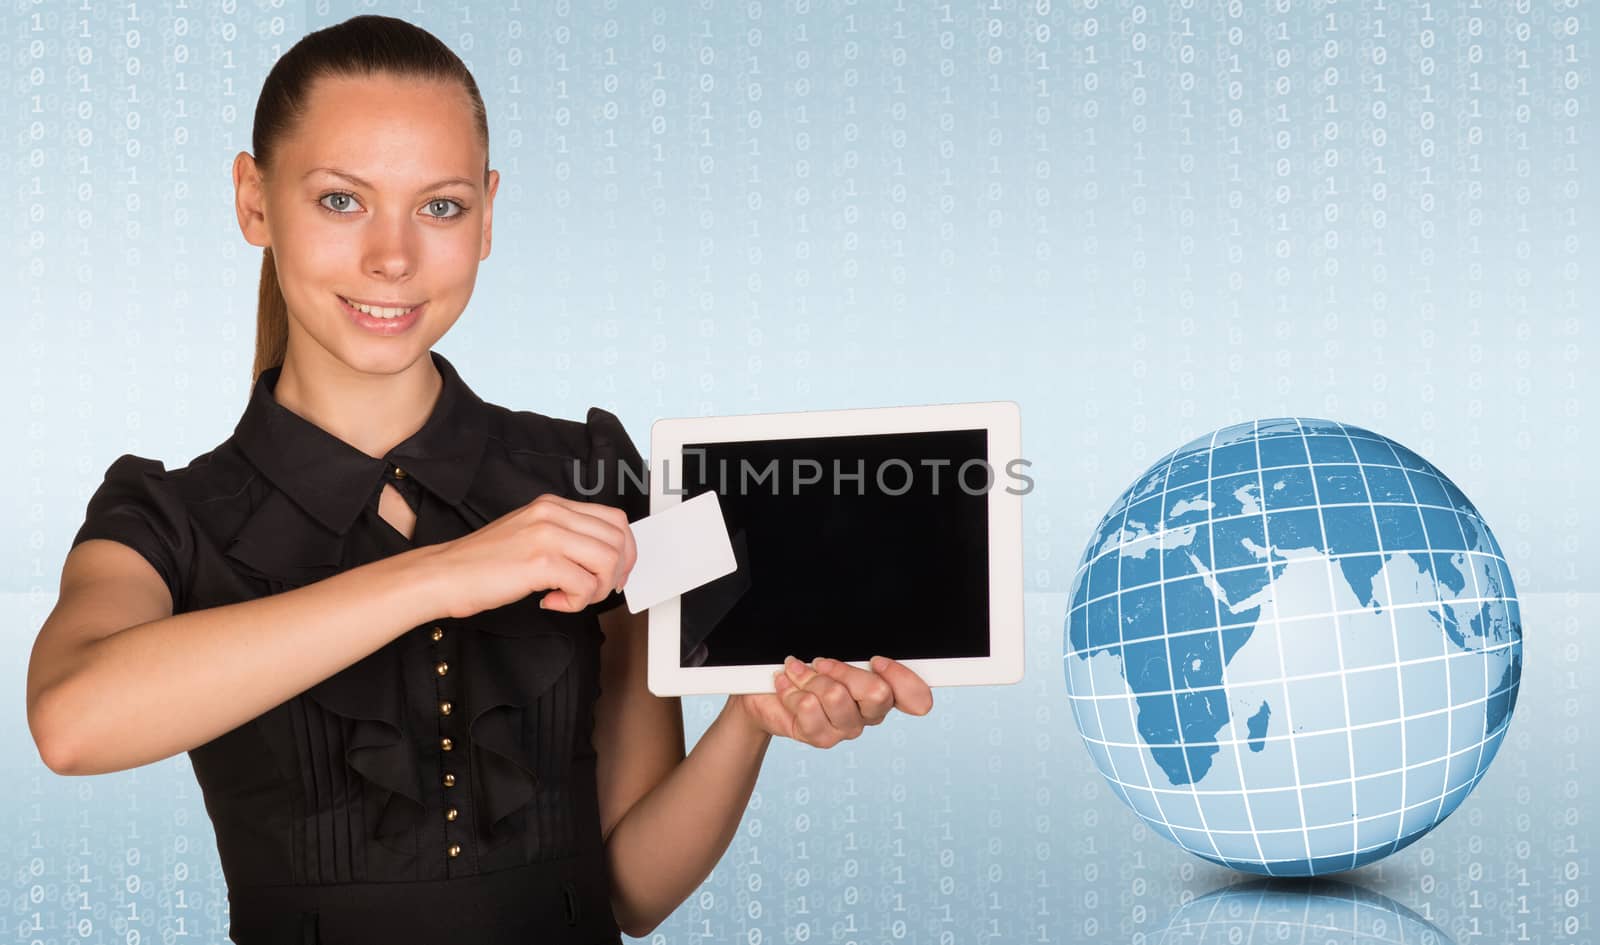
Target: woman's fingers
x=871 y=692
x=829 y=701
x=824 y=708
x=572 y=586
x=560 y=546
x=911 y=694
x=810 y=720
x=610 y=514
x=603 y=522
x=595 y=540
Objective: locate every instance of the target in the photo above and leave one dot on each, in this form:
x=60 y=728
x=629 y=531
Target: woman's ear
x=488 y=213
x=249 y=200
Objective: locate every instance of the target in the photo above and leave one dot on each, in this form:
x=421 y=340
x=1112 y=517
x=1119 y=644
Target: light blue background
x=1141 y=221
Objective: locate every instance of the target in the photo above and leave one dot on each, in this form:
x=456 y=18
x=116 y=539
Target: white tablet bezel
x=1002 y=421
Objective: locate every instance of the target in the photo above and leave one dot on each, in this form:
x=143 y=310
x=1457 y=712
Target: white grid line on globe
x=1302 y=618
x=1413 y=502
x=1172 y=675
x=1396 y=665
x=1133 y=725
x=1478 y=770
x=1376 y=775
x=1283 y=831
x=1345 y=432
x=1116 y=776
x=1099 y=720
x=1479 y=767
x=1288 y=707
x=1309 y=465
x=1480 y=764
x=1444 y=644
x=1238 y=755
x=1075 y=700
x=1157 y=536
x=1394 y=632
x=1400 y=824
x=1399 y=720
x=1394 y=635
x=1333 y=595
x=1267 y=563
x=1292 y=861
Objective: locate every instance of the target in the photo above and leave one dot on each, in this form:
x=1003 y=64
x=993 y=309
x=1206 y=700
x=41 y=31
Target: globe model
x=1293 y=647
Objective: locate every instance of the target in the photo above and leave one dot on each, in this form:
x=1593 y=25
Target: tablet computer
x=886 y=530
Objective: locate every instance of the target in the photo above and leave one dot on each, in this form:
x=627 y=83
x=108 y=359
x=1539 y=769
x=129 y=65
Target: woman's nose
x=389 y=251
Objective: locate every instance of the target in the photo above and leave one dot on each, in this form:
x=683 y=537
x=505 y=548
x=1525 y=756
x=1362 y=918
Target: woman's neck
x=370 y=412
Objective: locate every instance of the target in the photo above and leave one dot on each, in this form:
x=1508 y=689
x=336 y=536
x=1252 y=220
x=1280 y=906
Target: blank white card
x=680 y=548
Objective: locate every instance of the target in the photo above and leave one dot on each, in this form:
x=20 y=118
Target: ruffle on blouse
x=369 y=698
x=511 y=668
x=280 y=544
x=504 y=666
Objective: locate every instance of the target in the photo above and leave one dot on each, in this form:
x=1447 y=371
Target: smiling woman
x=380 y=617
x=371 y=194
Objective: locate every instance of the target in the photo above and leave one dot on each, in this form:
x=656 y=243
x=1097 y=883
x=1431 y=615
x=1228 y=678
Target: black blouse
x=443 y=787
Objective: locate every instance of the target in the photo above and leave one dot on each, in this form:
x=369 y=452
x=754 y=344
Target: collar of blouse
x=332 y=480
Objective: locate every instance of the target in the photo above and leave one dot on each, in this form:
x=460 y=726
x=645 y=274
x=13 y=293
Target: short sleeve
x=625 y=477
x=138 y=505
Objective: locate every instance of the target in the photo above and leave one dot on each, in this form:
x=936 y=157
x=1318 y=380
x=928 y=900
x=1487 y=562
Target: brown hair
x=360 y=46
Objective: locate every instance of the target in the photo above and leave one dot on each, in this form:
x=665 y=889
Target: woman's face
x=376 y=196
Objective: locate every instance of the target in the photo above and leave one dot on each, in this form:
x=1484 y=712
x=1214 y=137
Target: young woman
x=376 y=617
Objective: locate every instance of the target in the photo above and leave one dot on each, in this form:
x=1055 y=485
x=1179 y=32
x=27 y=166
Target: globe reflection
x=1325 y=911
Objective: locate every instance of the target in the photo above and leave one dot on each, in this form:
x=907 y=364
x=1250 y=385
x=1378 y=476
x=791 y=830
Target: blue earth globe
x=1293 y=647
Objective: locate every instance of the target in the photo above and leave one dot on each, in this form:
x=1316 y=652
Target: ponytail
x=272 y=319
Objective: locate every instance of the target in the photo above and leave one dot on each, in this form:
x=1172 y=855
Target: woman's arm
x=667 y=818
x=668 y=843
x=165 y=686
x=108 y=701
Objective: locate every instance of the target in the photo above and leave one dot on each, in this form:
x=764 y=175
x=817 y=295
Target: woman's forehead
x=388 y=130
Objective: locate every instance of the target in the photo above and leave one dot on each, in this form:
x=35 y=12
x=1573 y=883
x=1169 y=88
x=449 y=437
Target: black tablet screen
x=847 y=547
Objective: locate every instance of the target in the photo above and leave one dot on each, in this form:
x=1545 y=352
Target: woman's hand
x=578 y=551
x=828 y=702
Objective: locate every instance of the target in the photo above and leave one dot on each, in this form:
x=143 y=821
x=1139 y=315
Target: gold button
x=438 y=634
x=455 y=849
x=446 y=744
x=399 y=473
x=442 y=668
x=444 y=708
x=449 y=780
x=451 y=814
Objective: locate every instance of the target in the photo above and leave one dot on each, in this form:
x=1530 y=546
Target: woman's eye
x=442 y=205
x=340 y=202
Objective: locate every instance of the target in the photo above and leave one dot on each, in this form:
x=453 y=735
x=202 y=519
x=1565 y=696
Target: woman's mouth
x=391 y=319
